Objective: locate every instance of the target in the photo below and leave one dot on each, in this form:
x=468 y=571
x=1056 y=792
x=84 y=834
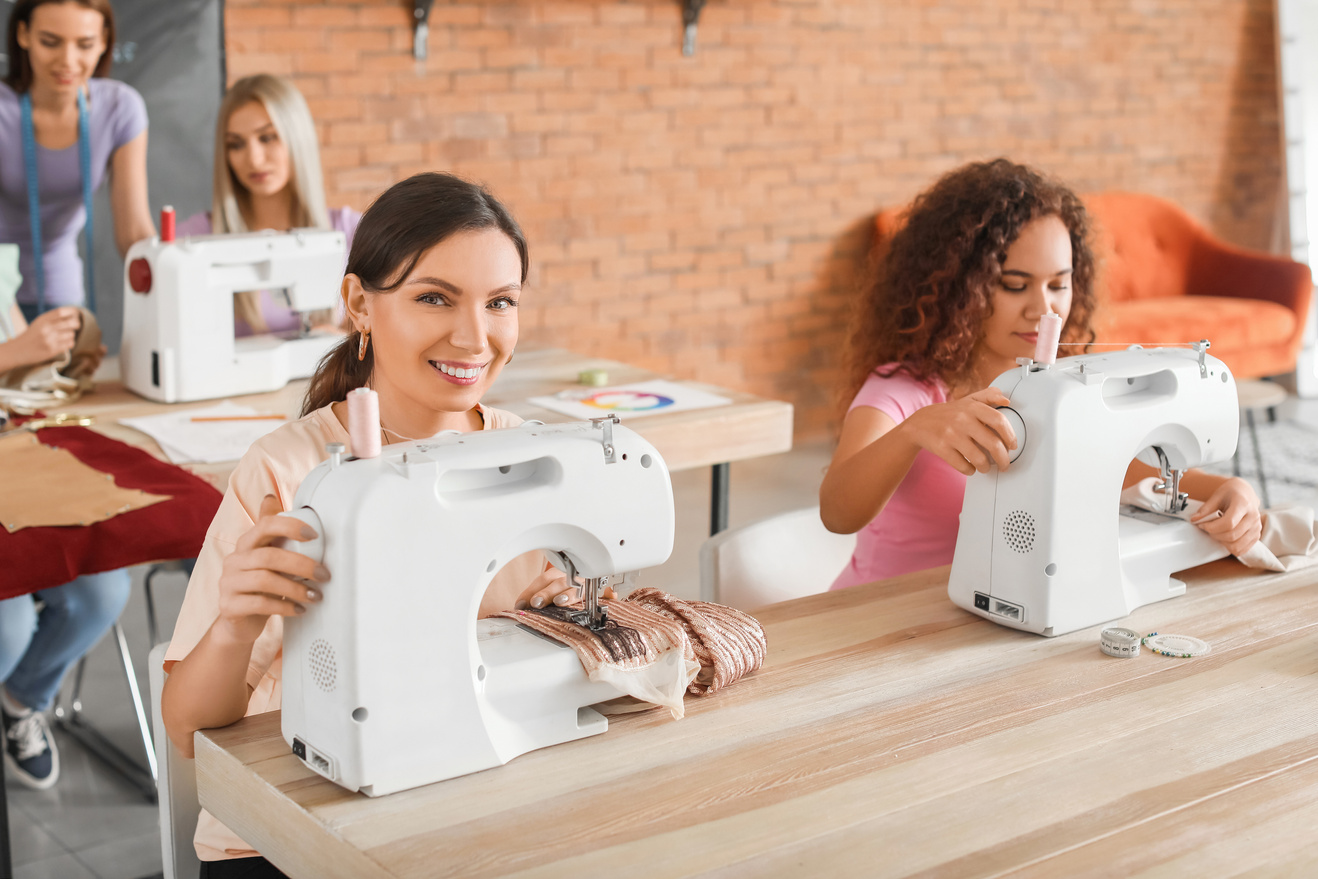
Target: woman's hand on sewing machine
x=551 y=587
x=969 y=433
x=1231 y=516
x=257 y=578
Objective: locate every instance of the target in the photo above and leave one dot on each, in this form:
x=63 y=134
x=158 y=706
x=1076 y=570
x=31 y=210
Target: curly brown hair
x=932 y=291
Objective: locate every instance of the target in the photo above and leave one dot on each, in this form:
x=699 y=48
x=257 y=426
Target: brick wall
x=705 y=216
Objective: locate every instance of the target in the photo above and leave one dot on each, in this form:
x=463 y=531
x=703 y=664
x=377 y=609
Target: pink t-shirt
x=917 y=528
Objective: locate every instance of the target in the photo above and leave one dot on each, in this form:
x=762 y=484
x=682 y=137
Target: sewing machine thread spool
x=364 y=422
x=1050 y=333
x=1119 y=642
x=167 y=224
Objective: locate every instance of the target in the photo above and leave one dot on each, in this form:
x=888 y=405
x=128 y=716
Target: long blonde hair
x=231 y=201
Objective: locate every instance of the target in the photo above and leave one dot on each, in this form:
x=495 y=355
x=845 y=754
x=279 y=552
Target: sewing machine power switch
x=299 y=749
x=981 y=603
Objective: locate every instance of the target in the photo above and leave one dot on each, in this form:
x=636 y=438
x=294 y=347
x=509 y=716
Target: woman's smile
x=457 y=372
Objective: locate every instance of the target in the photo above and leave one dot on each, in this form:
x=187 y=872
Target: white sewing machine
x=390 y=682
x=178 y=342
x=1046 y=545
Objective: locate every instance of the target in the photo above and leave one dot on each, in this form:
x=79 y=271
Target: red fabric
x=38 y=558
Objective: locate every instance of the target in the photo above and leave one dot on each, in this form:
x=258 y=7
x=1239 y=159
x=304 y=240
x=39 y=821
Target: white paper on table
x=654 y=397
x=184 y=440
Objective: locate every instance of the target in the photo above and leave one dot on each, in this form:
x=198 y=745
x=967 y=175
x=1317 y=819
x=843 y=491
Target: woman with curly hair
x=984 y=254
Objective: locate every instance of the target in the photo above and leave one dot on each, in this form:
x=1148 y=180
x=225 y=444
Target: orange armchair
x=1164 y=278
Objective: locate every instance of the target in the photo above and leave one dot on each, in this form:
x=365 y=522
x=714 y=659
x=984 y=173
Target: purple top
x=118 y=115
x=278 y=316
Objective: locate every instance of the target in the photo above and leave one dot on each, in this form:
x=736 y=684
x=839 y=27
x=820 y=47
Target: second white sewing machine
x=390 y=681
x=178 y=339
x=1046 y=546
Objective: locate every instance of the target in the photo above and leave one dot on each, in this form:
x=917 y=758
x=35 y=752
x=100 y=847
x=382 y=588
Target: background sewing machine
x=1046 y=546
x=390 y=682
x=178 y=342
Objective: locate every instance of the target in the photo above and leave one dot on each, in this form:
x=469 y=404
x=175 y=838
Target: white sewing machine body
x=178 y=342
x=1046 y=546
x=390 y=682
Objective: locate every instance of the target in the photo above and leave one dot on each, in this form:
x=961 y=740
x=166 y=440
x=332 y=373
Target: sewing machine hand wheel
x=1018 y=427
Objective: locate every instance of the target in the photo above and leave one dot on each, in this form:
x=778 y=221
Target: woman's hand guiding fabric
x=1240 y=521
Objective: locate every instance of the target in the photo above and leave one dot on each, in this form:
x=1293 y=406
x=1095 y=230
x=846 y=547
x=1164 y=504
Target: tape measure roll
x=1119 y=642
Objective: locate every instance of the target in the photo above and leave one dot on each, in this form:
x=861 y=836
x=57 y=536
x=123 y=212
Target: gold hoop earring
x=361 y=346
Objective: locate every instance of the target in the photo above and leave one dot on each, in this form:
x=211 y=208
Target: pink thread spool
x=1050 y=333
x=364 y=422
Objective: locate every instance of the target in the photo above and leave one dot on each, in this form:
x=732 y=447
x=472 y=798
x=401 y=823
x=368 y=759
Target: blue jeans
x=36 y=649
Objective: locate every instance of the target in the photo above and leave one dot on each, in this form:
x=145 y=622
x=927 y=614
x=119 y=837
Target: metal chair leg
x=71 y=721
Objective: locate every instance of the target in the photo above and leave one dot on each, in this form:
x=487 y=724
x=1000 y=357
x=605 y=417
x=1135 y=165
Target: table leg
x=720 y=487
x=6 y=861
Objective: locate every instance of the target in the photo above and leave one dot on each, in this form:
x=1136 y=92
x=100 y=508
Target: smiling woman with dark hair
x=433 y=290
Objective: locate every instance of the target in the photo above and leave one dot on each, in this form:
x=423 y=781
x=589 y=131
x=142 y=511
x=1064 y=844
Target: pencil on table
x=238 y=417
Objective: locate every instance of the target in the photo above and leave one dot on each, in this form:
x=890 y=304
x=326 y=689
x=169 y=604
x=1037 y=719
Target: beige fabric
x=50 y=486
x=643 y=654
x=62 y=380
x=1289 y=540
x=728 y=643
x=275 y=464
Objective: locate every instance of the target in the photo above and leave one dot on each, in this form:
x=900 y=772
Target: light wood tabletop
x=748 y=427
x=889 y=734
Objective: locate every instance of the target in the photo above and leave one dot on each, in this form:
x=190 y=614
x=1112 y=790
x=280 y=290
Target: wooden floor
x=889 y=734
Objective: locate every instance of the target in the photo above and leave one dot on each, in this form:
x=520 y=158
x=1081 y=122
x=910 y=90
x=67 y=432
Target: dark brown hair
x=406 y=220
x=19 y=76
x=932 y=290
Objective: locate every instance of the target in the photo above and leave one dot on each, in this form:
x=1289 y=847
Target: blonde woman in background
x=267 y=176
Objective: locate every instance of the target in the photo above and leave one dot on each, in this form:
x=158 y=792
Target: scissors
x=63 y=419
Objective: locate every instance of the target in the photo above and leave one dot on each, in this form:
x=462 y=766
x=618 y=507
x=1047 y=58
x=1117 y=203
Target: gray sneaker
x=30 y=752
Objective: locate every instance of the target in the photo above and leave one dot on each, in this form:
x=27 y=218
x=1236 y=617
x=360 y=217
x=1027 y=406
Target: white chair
x=781 y=557
x=177 y=786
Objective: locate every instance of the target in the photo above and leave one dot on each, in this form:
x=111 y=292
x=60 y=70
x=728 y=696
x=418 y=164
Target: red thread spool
x=166 y=224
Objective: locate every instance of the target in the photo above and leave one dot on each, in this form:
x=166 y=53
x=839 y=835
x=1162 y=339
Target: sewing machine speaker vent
x=324 y=668
x=1019 y=531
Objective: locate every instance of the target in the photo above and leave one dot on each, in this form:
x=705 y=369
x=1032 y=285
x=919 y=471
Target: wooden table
x=748 y=427
x=889 y=734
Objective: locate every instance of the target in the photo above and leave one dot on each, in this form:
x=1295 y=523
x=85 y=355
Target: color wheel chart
x=627 y=401
x=653 y=397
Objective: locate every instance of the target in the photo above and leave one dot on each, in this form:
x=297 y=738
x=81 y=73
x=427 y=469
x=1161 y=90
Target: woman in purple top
x=267 y=176
x=58 y=59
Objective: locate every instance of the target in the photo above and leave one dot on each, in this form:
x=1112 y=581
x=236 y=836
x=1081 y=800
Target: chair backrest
x=177 y=785
x=781 y=557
